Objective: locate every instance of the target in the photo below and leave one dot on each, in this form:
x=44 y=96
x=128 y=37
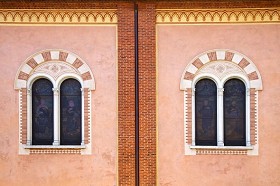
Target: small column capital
x=193 y=92
x=55 y=91
x=29 y=91
x=247 y=92
x=220 y=91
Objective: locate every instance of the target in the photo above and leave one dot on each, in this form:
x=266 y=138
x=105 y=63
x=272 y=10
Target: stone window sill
x=54 y=146
x=223 y=147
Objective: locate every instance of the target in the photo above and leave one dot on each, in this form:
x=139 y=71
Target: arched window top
x=70 y=87
x=42 y=87
x=222 y=64
x=54 y=63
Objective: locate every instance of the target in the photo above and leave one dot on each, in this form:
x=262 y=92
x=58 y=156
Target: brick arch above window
x=247 y=67
x=47 y=61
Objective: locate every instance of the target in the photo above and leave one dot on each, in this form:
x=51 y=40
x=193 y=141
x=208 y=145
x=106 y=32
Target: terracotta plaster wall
x=96 y=45
x=177 y=46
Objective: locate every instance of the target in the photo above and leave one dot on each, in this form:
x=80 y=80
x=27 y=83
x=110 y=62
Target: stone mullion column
x=220 y=117
x=56 y=113
x=147 y=93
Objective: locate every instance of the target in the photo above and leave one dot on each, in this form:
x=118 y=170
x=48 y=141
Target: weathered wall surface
x=96 y=45
x=177 y=46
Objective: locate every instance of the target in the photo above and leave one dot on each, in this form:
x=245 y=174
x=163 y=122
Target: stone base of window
x=52 y=149
x=221 y=150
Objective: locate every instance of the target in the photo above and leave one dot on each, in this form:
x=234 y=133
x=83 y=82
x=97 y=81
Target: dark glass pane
x=234 y=113
x=70 y=112
x=205 y=113
x=42 y=112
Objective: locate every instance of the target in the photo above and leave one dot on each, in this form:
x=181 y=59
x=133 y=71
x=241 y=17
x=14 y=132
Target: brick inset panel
x=212 y=56
x=86 y=76
x=253 y=76
x=243 y=63
x=188 y=76
x=77 y=63
x=32 y=63
x=23 y=76
x=197 y=63
x=47 y=56
x=63 y=56
x=229 y=56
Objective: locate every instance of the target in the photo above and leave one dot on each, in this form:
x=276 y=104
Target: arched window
x=70 y=112
x=55 y=103
x=42 y=112
x=205 y=112
x=237 y=82
x=234 y=113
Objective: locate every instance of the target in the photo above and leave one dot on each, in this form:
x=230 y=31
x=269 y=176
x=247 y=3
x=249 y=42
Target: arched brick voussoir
x=221 y=55
x=55 y=55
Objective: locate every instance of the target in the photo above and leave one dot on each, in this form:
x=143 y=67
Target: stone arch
x=220 y=55
x=57 y=58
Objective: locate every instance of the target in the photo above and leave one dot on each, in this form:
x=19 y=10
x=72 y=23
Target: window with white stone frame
x=220 y=104
x=54 y=103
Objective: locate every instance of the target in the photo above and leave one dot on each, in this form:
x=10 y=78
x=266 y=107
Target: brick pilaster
x=126 y=95
x=147 y=93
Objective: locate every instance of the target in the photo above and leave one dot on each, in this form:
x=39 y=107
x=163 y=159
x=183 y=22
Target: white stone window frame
x=56 y=110
x=66 y=65
x=220 y=109
x=243 y=69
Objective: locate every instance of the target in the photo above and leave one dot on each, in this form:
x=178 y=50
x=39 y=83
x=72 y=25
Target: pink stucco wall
x=96 y=45
x=177 y=46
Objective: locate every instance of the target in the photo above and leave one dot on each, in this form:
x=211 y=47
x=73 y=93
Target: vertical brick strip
x=147 y=93
x=189 y=115
x=126 y=94
x=253 y=121
x=86 y=116
x=23 y=111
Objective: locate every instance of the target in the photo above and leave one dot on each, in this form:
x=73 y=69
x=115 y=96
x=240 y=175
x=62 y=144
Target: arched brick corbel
x=31 y=63
x=221 y=55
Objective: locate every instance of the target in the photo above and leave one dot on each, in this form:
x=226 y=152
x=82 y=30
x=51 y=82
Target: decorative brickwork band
x=87 y=115
x=188 y=115
x=34 y=63
x=247 y=66
x=45 y=16
x=253 y=109
x=23 y=116
x=241 y=15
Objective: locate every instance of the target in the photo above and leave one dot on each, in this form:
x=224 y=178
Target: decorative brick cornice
x=241 y=15
x=57 y=16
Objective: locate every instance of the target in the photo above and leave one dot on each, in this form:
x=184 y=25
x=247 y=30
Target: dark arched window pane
x=234 y=113
x=70 y=112
x=42 y=112
x=205 y=113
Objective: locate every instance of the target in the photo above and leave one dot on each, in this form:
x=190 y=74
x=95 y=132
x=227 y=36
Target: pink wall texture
x=96 y=45
x=177 y=46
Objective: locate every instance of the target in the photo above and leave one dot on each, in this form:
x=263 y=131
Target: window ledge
x=223 y=147
x=54 y=146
